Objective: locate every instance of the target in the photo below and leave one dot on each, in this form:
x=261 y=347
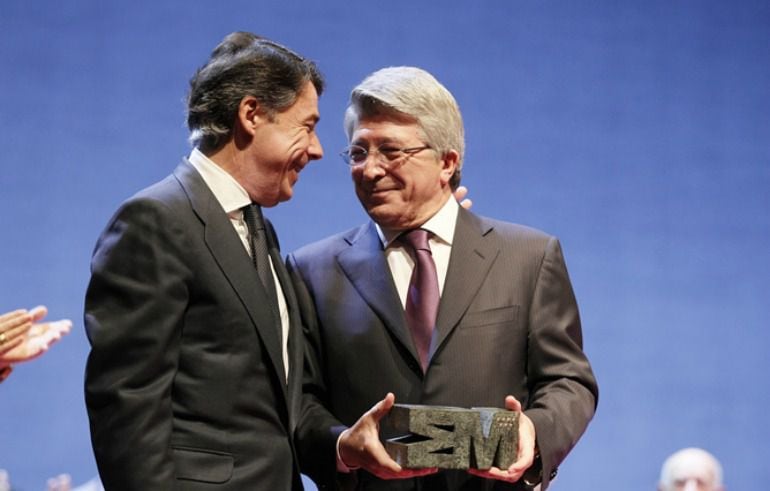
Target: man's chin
x=269 y=202
x=385 y=216
x=286 y=192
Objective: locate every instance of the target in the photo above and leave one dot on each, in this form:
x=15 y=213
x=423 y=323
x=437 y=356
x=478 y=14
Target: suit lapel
x=469 y=264
x=365 y=266
x=230 y=255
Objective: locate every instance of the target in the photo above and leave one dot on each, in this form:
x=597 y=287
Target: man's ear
x=250 y=114
x=449 y=163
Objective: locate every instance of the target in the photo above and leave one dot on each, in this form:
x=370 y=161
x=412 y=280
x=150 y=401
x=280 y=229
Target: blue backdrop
x=638 y=132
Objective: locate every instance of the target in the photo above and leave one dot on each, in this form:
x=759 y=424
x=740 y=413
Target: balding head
x=691 y=469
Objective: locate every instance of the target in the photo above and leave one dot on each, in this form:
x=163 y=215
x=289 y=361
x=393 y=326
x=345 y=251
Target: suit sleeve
x=562 y=387
x=317 y=429
x=133 y=312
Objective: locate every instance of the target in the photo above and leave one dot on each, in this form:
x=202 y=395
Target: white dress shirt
x=232 y=197
x=442 y=229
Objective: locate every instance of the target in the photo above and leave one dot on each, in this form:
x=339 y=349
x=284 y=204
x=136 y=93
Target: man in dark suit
x=194 y=373
x=506 y=331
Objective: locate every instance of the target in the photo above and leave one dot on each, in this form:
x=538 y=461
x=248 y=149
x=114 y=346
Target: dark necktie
x=423 y=296
x=252 y=215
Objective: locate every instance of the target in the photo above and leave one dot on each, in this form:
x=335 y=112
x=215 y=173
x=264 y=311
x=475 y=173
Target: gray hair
x=413 y=92
x=244 y=64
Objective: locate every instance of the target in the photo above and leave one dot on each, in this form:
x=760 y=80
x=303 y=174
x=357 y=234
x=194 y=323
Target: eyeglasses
x=387 y=154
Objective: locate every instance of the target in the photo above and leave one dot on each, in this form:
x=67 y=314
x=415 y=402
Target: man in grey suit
x=506 y=331
x=194 y=373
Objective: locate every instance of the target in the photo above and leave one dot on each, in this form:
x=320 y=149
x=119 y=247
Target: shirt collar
x=227 y=191
x=441 y=225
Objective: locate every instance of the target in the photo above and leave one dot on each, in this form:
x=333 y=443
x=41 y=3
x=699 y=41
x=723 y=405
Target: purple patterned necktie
x=423 y=297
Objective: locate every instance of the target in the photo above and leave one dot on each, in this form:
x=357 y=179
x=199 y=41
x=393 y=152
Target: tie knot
x=252 y=215
x=417 y=239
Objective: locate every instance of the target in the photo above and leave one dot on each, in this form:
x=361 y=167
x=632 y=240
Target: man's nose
x=315 y=150
x=372 y=168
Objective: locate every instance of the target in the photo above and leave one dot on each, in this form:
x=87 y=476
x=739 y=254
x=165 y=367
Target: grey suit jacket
x=185 y=383
x=508 y=323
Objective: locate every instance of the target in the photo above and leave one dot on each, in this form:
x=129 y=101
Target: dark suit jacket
x=185 y=384
x=508 y=323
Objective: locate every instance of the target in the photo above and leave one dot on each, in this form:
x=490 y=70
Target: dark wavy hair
x=244 y=64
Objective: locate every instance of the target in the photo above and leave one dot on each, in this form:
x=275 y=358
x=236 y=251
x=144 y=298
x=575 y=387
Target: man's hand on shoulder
x=460 y=195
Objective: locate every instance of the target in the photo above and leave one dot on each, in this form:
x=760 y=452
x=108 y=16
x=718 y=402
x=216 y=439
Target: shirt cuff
x=341 y=466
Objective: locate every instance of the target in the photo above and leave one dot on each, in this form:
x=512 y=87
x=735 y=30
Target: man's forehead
x=392 y=117
x=386 y=129
x=693 y=468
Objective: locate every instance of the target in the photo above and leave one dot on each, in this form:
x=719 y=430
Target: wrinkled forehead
x=384 y=128
x=692 y=467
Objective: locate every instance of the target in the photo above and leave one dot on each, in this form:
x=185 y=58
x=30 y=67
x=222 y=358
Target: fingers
x=382 y=408
x=527 y=439
x=14 y=319
x=461 y=192
x=36 y=341
x=526 y=448
x=360 y=446
x=64 y=326
x=407 y=473
x=498 y=474
x=512 y=404
x=524 y=462
x=52 y=331
x=57 y=329
x=9 y=345
x=38 y=313
x=9 y=317
x=13 y=327
x=384 y=467
x=380 y=464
